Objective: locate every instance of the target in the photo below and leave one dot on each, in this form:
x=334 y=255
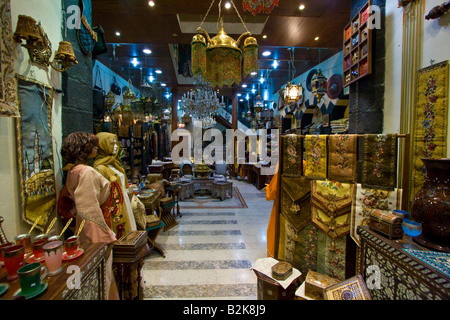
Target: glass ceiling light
x=292 y=92
x=201 y=102
x=219 y=59
x=259 y=6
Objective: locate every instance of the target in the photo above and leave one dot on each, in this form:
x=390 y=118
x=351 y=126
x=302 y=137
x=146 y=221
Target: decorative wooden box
x=386 y=223
x=130 y=244
x=269 y=289
x=316 y=283
x=353 y=288
x=282 y=270
x=391 y=273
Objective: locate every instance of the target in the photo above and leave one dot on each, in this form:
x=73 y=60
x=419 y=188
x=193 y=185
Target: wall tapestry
x=342 y=157
x=316 y=156
x=365 y=201
x=8 y=82
x=379 y=161
x=431 y=120
x=35 y=150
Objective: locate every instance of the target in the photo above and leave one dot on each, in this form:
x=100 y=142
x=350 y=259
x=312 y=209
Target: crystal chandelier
x=202 y=102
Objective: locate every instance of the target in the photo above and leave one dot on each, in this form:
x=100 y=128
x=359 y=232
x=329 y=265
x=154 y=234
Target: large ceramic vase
x=431 y=205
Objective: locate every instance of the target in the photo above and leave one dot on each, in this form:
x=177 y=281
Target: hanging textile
x=316 y=156
x=431 y=120
x=380 y=161
x=292 y=155
x=331 y=206
x=342 y=158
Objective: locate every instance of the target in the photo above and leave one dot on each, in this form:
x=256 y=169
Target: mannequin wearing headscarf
x=107 y=164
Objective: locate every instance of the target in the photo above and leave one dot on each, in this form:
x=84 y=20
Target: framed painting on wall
x=8 y=81
x=35 y=151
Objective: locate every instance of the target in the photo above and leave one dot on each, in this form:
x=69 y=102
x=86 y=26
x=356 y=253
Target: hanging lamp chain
x=207 y=12
x=232 y=2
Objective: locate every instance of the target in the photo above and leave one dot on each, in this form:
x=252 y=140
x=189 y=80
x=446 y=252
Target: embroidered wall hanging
x=379 y=161
x=259 y=6
x=342 y=158
x=292 y=155
x=316 y=156
x=365 y=201
x=331 y=206
x=35 y=150
x=8 y=82
x=431 y=120
x=295 y=201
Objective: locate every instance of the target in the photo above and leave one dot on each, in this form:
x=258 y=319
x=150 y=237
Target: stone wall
x=77 y=85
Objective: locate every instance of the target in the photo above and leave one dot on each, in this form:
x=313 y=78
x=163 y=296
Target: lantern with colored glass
x=292 y=92
x=319 y=85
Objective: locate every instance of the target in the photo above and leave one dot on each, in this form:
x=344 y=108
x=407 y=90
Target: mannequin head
x=78 y=147
x=107 y=144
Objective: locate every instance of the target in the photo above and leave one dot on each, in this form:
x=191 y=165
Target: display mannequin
x=87 y=197
x=106 y=162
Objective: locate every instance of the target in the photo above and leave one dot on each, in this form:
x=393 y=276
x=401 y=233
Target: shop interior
x=225 y=149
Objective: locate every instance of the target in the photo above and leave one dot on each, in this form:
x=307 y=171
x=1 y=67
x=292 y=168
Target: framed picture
x=8 y=81
x=326 y=120
x=35 y=151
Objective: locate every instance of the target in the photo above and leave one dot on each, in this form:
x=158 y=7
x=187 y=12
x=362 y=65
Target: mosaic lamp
x=319 y=85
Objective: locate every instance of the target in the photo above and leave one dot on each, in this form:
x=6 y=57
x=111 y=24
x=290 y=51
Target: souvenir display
x=351 y=289
x=386 y=223
x=35 y=147
x=365 y=201
x=130 y=244
x=282 y=270
x=292 y=155
x=342 y=158
x=9 y=104
x=379 y=161
x=331 y=206
x=431 y=120
x=316 y=156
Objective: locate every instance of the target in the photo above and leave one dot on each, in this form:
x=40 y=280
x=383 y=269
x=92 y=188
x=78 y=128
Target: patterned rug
x=208 y=202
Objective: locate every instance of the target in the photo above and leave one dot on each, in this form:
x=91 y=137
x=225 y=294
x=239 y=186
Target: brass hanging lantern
x=292 y=92
x=198 y=55
x=223 y=55
x=319 y=85
x=110 y=99
x=250 y=53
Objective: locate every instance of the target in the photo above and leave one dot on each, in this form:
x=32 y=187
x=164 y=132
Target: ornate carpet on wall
x=431 y=120
x=208 y=202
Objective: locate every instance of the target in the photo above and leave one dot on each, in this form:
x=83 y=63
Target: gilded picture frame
x=35 y=151
x=8 y=82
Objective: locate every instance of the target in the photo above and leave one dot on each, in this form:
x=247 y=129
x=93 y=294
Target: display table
x=221 y=189
x=253 y=173
x=127 y=272
x=403 y=276
x=186 y=190
x=92 y=269
x=164 y=168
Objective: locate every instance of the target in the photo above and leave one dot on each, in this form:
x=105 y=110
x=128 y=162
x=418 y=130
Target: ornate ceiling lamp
x=292 y=92
x=319 y=85
x=258 y=6
x=219 y=59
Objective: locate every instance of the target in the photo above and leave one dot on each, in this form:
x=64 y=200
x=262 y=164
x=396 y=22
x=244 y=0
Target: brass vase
x=431 y=205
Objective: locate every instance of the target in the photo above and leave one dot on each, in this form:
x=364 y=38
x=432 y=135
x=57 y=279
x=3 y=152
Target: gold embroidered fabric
x=295 y=201
x=292 y=155
x=342 y=157
x=379 y=161
x=331 y=206
x=316 y=156
x=431 y=120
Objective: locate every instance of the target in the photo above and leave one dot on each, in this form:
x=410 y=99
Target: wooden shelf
x=358 y=28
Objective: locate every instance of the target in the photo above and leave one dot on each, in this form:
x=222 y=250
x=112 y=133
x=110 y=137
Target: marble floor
x=210 y=252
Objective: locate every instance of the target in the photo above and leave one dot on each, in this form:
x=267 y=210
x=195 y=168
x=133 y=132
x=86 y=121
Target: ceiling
x=174 y=22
